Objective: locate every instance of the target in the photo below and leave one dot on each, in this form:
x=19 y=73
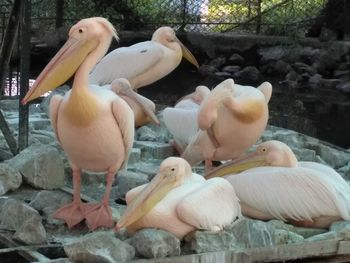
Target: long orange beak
x=187 y=54
x=61 y=67
x=150 y=196
x=246 y=162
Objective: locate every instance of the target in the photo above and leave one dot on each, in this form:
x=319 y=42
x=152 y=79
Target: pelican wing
x=126 y=62
x=298 y=193
x=125 y=119
x=181 y=123
x=211 y=206
x=55 y=103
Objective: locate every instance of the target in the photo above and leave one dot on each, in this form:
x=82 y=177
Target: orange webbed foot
x=72 y=213
x=99 y=215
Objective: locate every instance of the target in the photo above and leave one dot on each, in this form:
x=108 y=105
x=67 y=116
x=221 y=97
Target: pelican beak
x=187 y=54
x=246 y=162
x=154 y=192
x=61 y=67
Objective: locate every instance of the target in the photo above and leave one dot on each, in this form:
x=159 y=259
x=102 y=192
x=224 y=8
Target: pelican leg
x=208 y=165
x=101 y=214
x=73 y=213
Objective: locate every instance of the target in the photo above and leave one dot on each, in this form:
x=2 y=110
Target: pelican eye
x=263 y=149
x=172 y=169
x=81 y=30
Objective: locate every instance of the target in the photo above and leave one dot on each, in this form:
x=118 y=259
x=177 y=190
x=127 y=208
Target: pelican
x=94 y=126
x=179 y=201
x=231 y=119
x=143 y=63
x=271 y=183
x=143 y=108
x=181 y=120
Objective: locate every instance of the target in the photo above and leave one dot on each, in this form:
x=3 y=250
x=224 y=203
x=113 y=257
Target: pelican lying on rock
x=143 y=108
x=271 y=183
x=231 y=118
x=94 y=126
x=180 y=201
x=144 y=62
x=181 y=120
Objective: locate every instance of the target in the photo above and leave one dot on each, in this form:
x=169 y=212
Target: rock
x=10 y=179
x=5 y=155
x=145 y=133
x=231 y=69
x=249 y=73
x=154 y=150
x=307 y=232
x=223 y=75
x=14 y=213
x=280 y=225
x=344 y=87
x=252 y=233
x=236 y=59
x=31 y=232
x=9 y=105
x=327 y=34
x=48 y=202
x=207 y=70
x=286 y=237
x=135 y=156
x=292 y=75
x=150 y=168
x=323 y=236
x=273 y=68
x=339 y=225
x=305 y=154
x=99 y=247
x=129 y=180
x=41 y=166
x=345 y=171
x=218 y=62
x=155 y=243
x=301 y=68
x=209 y=241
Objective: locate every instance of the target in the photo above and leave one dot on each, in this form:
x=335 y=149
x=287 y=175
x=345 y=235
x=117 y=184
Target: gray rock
x=345 y=171
x=129 y=180
x=154 y=150
x=236 y=59
x=250 y=73
x=48 y=202
x=209 y=241
x=344 y=87
x=323 y=236
x=207 y=69
x=5 y=155
x=252 y=233
x=218 y=62
x=280 y=225
x=9 y=105
x=154 y=243
x=339 y=225
x=231 y=69
x=145 y=133
x=14 y=213
x=150 y=167
x=31 y=232
x=10 y=179
x=286 y=237
x=135 y=156
x=41 y=166
x=223 y=75
x=307 y=232
x=99 y=247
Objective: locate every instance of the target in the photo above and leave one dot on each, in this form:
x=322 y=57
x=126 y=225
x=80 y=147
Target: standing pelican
x=273 y=184
x=181 y=120
x=143 y=63
x=144 y=112
x=231 y=119
x=94 y=126
x=180 y=201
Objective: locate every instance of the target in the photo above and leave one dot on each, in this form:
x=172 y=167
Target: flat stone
x=41 y=166
x=155 y=243
x=209 y=241
x=154 y=150
x=14 y=213
x=252 y=233
x=345 y=171
x=31 y=232
x=150 y=167
x=324 y=236
x=135 y=156
x=278 y=224
x=236 y=59
x=153 y=134
x=307 y=232
x=99 y=247
x=231 y=69
x=339 y=225
x=10 y=178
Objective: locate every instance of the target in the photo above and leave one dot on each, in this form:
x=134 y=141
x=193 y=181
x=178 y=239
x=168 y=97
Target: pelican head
x=88 y=41
x=173 y=172
x=209 y=108
x=270 y=153
x=166 y=36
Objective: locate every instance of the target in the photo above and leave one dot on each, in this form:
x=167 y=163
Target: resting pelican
x=181 y=120
x=94 y=126
x=231 y=119
x=273 y=184
x=180 y=201
x=145 y=62
x=144 y=112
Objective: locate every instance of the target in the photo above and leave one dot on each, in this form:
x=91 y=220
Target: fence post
x=24 y=70
x=346 y=20
x=59 y=13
